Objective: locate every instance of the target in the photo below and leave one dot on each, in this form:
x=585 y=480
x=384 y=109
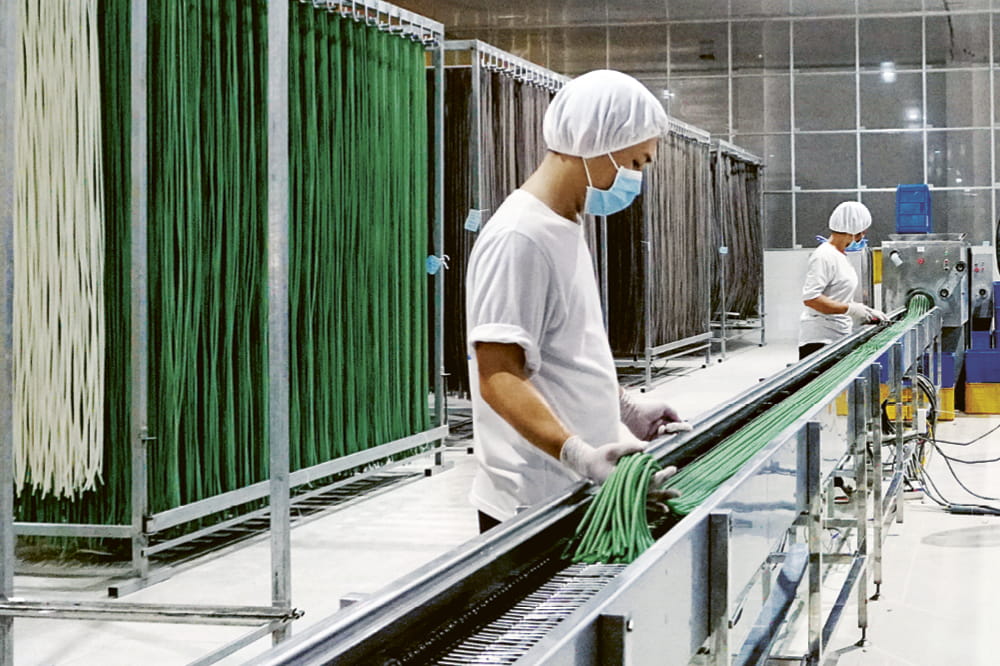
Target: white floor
x=940 y=601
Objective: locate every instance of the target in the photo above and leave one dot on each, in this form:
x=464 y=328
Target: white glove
x=597 y=463
x=862 y=314
x=594 y=463
x=646 y=420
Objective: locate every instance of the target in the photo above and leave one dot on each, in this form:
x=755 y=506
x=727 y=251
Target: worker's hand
x=646 y=420
x=594 y=463
x=657 y=496
x=862 y=314
x=877 y=316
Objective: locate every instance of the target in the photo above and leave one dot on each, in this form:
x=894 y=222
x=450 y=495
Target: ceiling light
x=888 y=70
x=913 y=113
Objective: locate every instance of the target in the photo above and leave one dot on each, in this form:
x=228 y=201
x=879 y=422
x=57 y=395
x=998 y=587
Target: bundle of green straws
x=615 y=529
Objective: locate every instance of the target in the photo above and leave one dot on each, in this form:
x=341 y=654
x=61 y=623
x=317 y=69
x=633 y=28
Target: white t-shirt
x=531 y=282
x=829 y=274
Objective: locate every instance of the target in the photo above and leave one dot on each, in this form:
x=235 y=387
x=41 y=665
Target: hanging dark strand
x=512 y=147
x=676 y=206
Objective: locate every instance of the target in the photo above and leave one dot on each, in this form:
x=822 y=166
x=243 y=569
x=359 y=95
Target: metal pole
x=475 y=109
x=763 y=242
x=899 y=468
x=647 y=299
x=277 y=317
x=603 y=264
x=814 y=531
x=438 y=58
x=139 y=276
x=9 y=48
x=860 y=450
x=876 y=478
x=719 y=532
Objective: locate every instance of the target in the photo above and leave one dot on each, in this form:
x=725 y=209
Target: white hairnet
x=850 y=217
x=601 y=112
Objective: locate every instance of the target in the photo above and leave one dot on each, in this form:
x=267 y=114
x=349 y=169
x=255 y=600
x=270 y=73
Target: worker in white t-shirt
x=546 y=402
x=828 y=293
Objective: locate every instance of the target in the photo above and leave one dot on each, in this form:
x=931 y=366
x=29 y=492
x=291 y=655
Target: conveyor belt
x=495 y=599
x=509 y=637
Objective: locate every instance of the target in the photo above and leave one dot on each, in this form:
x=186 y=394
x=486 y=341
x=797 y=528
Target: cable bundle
x=672 y=221
x=699 y=479
x=59 y=326
x=358 y=289
x=738 y=210
x=614 y=530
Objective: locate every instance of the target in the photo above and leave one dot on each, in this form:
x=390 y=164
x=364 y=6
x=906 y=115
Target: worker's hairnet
x=601 y=112
x=850 y=217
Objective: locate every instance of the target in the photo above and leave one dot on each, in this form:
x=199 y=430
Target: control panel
x=935 y=264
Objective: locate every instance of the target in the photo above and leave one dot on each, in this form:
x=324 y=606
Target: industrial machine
x=980 y=296
x=934 y=264
x=718 y=584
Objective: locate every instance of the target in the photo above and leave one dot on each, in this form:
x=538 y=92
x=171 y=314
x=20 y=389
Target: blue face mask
x=627 y=186
x=857 y=246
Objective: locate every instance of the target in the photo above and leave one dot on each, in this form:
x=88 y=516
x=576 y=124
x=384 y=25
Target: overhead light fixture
x=888 y=69
x=913 y=114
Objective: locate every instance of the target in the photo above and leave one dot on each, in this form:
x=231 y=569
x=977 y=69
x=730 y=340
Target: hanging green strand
x=207 y=253
x=357 y=236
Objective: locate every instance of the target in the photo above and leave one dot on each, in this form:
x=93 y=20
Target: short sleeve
x=508 y=296
x=818 y=276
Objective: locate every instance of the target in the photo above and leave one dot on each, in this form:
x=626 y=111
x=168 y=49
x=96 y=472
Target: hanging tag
x=723 y=249
x=475 y=219
x=434 y=264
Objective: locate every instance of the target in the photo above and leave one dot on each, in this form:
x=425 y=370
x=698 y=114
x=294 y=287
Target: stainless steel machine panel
x=935 y=264
x=981 y=261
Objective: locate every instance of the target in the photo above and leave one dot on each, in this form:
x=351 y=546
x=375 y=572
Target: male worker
x=545 y=396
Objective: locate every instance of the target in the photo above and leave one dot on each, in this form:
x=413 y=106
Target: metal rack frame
x=477 y=56
x=483 y=55
x=723 y=325
x=683 y=346
x=274 y=619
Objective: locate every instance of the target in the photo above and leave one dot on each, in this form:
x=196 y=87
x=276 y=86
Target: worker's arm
x=859 y=312
x=505 y=386
x=826 y=305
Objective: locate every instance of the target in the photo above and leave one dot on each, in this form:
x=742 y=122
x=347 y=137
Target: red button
x=920 y=260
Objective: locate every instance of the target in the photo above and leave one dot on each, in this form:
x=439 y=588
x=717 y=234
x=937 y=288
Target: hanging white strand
x=59 y=251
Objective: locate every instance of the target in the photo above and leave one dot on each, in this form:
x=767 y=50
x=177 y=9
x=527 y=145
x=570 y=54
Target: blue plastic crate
x=982 y=366
x=884 y=360
x=981 y=339
x=913 y=209
x=947 y=368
